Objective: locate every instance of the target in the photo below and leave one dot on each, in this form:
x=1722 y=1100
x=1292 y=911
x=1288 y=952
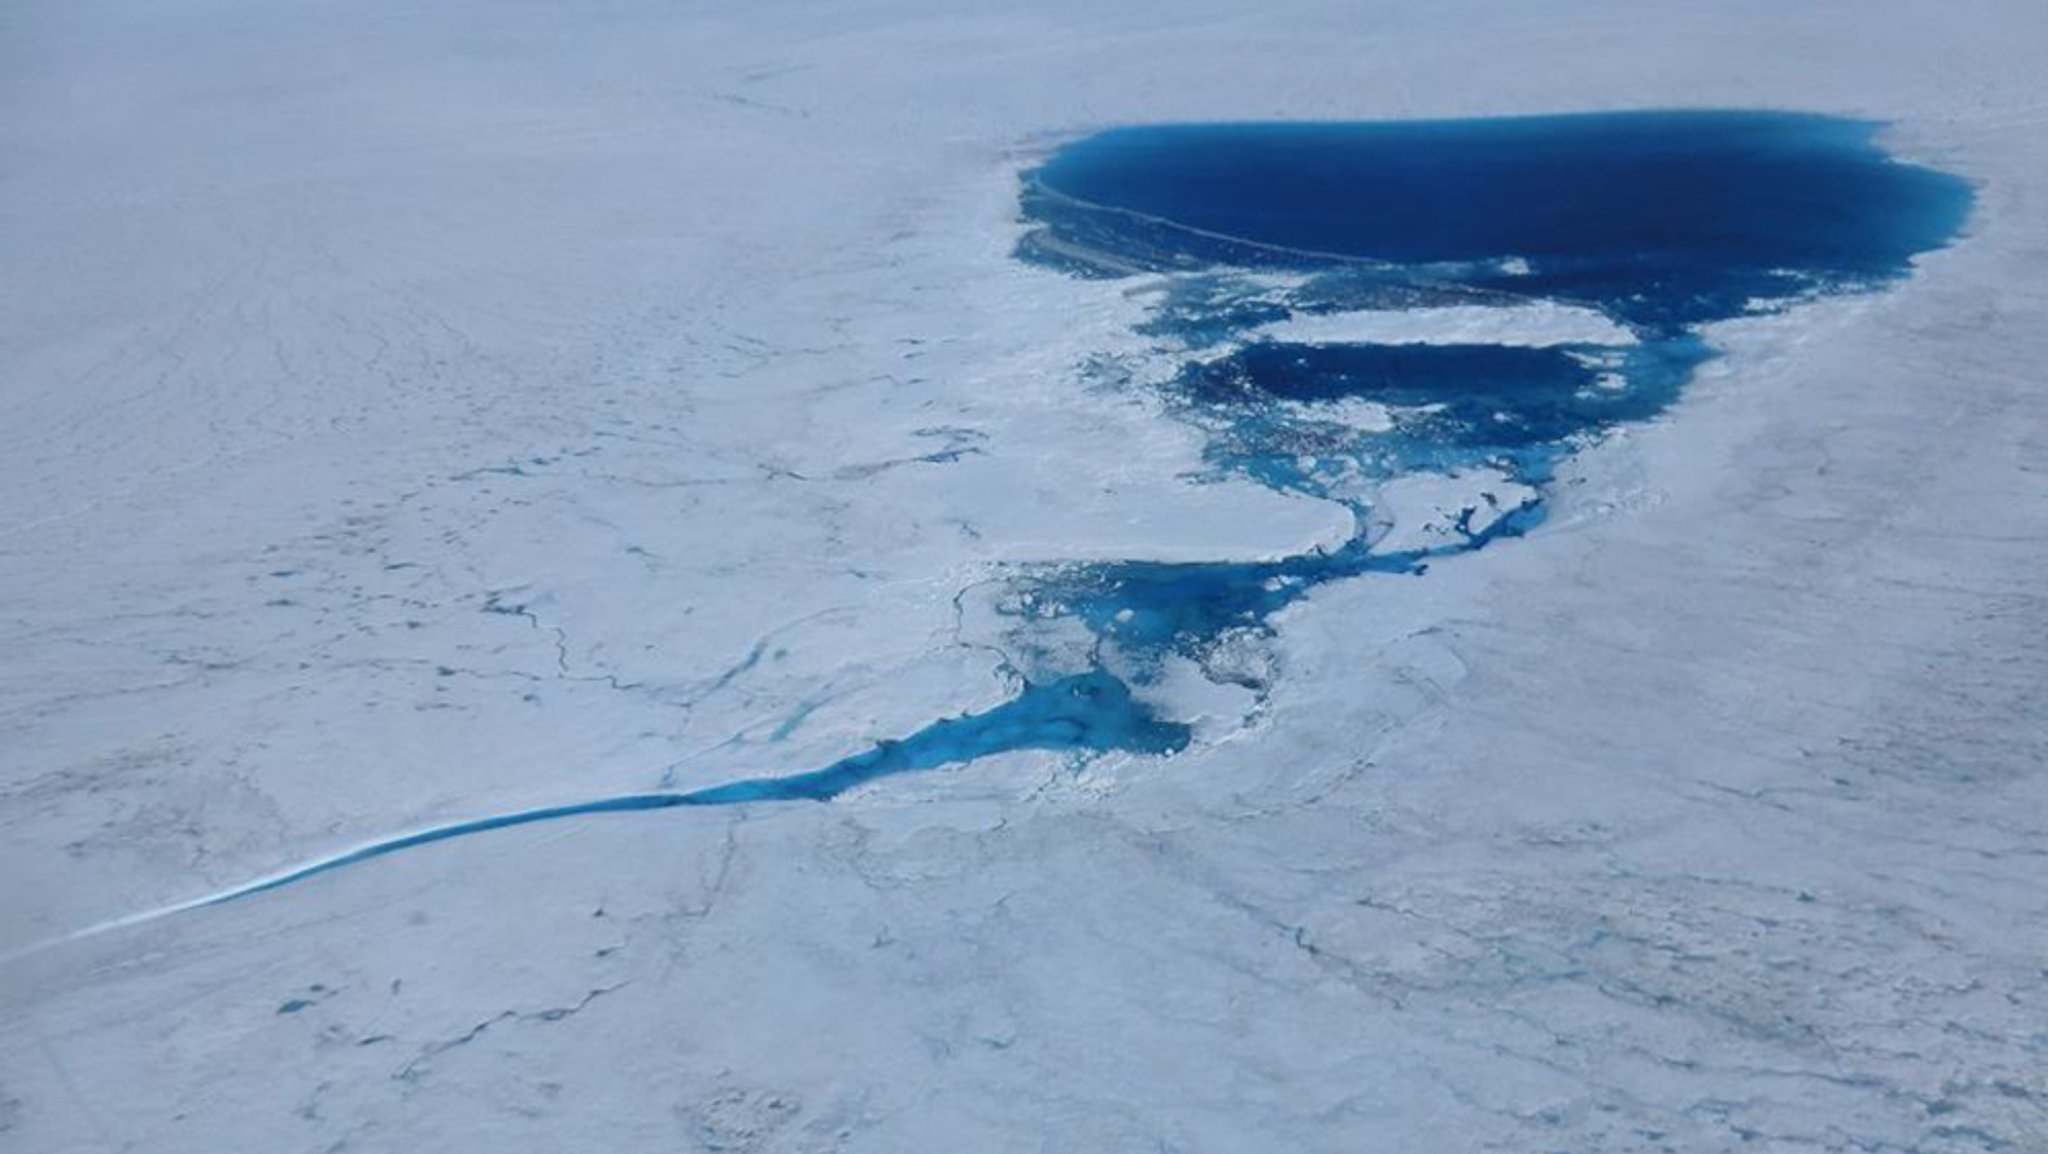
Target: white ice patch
x=1425 y=510
x=1351 y=412
x=1533 y=325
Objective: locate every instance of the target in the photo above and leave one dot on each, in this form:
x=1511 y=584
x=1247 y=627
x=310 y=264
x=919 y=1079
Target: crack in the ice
x=410 y=1072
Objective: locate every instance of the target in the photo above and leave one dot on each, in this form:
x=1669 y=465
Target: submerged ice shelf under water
x=1660 y=221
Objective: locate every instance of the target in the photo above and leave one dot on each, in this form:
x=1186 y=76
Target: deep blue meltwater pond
x=1656 y=217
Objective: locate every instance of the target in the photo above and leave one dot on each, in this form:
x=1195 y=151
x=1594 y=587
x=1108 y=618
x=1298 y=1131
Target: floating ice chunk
x=1531 y=325
x=1351 y=412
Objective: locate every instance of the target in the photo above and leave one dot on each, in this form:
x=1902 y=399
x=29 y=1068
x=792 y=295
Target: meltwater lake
x=1659 y=218
x=1657 y=223
x=1261 y=241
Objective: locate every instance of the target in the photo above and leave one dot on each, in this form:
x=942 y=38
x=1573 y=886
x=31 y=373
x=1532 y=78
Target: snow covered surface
x=416 y=412
x=1537 y=324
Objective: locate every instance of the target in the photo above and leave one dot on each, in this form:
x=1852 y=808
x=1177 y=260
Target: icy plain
x=416 y=413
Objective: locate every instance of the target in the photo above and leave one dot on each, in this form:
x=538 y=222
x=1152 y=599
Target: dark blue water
x=1659 y=218
x=1454 y=404
x=1662 y=221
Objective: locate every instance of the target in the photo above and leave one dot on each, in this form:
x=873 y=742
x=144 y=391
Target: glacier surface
x=418 y=416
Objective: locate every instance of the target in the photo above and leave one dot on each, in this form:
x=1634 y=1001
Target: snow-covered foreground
x=416 y=413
